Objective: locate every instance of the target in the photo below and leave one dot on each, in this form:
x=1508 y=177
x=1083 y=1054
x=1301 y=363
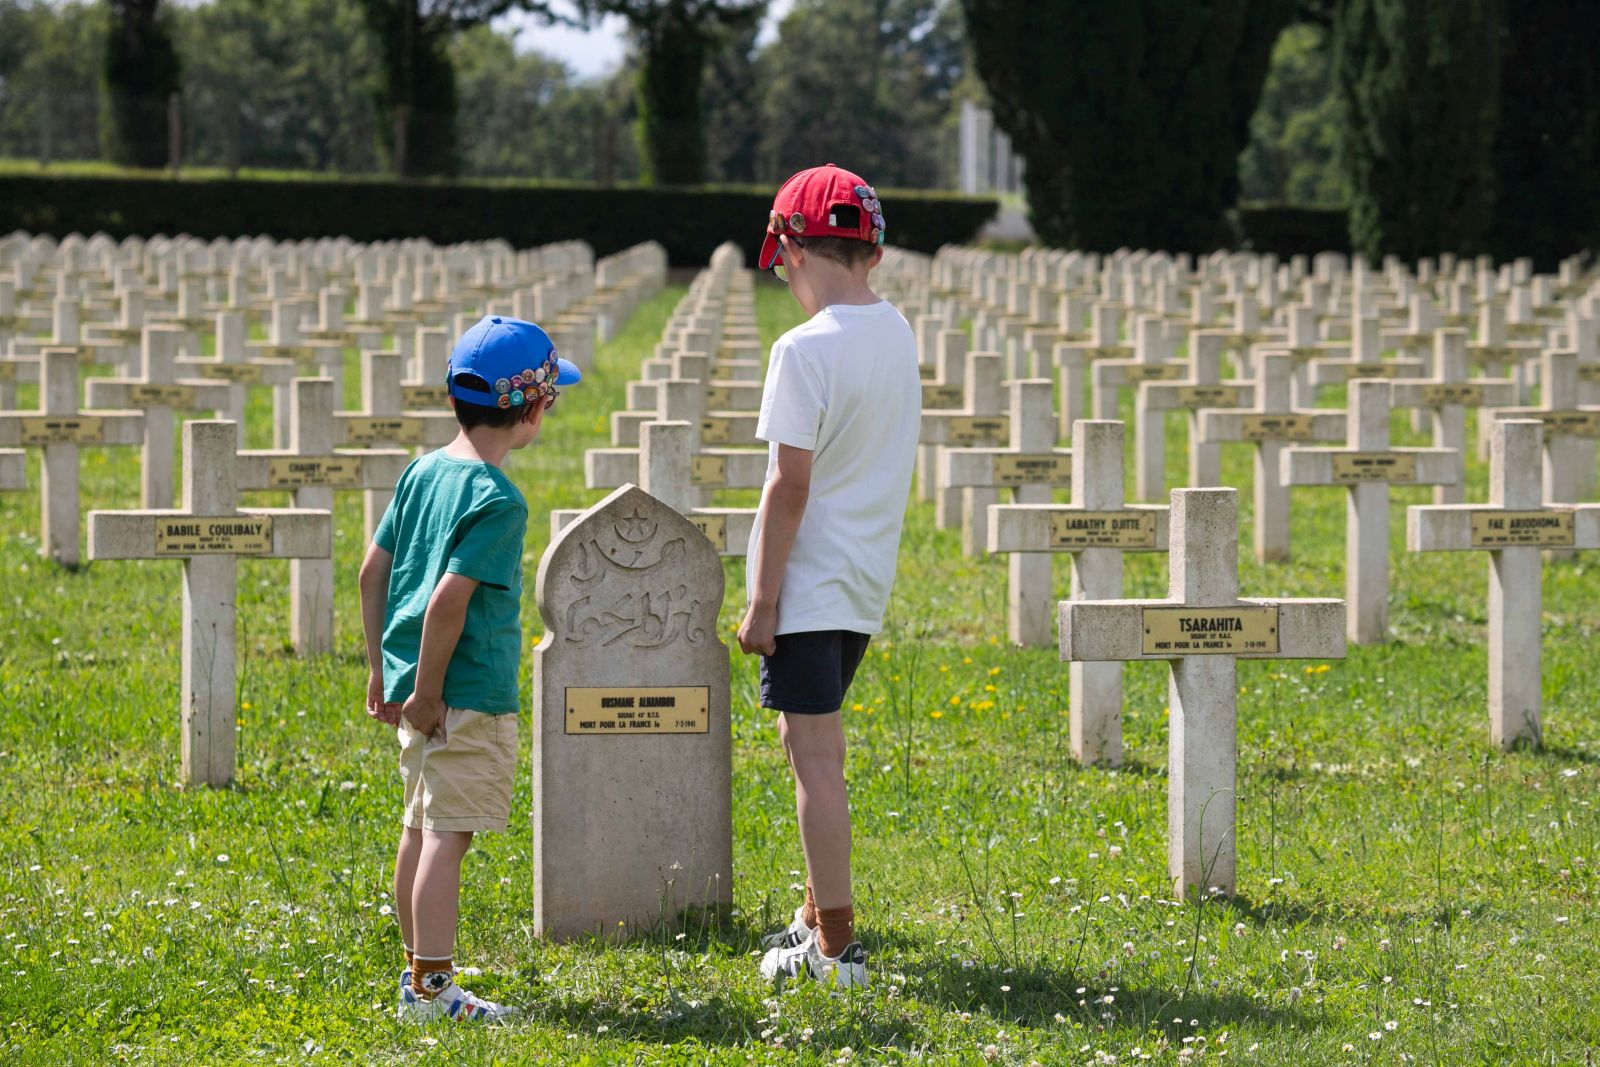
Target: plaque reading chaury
x=296 y=472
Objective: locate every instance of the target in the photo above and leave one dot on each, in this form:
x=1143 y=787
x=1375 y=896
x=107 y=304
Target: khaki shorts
x=461 y=777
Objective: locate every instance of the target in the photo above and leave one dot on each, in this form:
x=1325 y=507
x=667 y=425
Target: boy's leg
x=435 y=903
x=815 y=747
x=405 y=873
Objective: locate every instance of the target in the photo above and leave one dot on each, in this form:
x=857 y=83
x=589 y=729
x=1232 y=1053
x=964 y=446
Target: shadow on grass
x=1566 y=752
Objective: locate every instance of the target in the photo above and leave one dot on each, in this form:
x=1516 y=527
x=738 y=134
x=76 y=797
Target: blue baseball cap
x=516 y=358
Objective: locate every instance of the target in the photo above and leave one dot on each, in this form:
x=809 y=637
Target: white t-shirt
x=845 y=386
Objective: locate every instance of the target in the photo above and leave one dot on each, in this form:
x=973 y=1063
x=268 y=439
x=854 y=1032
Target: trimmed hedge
x=1290 y=231
x=689 y=221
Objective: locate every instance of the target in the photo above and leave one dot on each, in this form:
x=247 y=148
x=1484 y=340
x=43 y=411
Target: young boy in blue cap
x=441 y=597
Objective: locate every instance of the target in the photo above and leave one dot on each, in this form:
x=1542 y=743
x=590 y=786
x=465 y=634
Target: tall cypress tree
x=1418 y=81
x=1547 y=150
x=140 y=73
x=1129 y=114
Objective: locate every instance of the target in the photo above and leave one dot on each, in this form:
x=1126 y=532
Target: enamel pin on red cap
x=824 y=201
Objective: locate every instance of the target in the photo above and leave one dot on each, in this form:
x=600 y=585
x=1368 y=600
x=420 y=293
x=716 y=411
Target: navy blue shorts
x=810 y=672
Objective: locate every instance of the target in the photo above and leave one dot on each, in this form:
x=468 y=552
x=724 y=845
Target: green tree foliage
x=732 y=104
x=1295 y=130
x=1547 y=150
x=286 y=84
x=674 y=39
x=1129 y=114
x=50 y=59
x=1418 y=81
x=140 y=74
x=524 y=115
x=865 y=85
x=417 y=101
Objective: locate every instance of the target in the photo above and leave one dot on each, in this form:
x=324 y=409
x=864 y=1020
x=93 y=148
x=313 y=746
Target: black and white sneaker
x=791 y=936
x=846 y=970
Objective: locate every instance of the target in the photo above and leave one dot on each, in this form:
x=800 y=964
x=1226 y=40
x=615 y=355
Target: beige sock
x=836 y=929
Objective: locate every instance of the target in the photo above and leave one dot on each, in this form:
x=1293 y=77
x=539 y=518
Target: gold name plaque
x=371 y=430
x=1209 y=396
x=239 y=373
x=414 y=397
x=1072 y=530
x=168 y=396
x=1350 y=468
x=1210 y=631
x=927 y=371
x=715 y=527
x=1463 y=394
x=193 y=535
x=63 y=430
x=708 y=471
x=980 y=430
x=941 y=397
x=1277 y=428
x=715 y=431
x=8 y=371
x=1508 y=529
x=1108 y=352
x=1371 y=370
x=639 y=710
x=1587 y=372
x=1571 y=423
x=1156 y=372
x=294 y=472
x=1044 y=468
x=718 y=397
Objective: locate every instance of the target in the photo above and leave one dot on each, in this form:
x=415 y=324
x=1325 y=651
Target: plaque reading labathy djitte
x=1210 y=631
x=638 y=711
x=1509 y=529
x=194 y=535
x=1102 y=529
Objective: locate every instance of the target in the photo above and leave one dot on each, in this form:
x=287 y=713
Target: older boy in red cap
x=841 y=412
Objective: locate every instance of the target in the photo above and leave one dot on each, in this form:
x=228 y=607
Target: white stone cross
x=1096 y=528
x=1030 y=467
x=1513 y=528
x=13 y=469
x=382 y=423
x=1366 y=467
x=1201 y=628
x=313 y=471
x=669 y=469
x=1446 y=396
x=1152 y=362
x=160 y=394
x=1269 y=425
x=1203 y=388
x=1566 y=424
x=209 y=533
x=948 y=383
x=979 y=422
x=60 y=428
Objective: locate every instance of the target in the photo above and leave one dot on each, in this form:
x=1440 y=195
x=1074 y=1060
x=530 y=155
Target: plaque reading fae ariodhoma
x=638 y=710
x=1210 y=631
x=1511 y=529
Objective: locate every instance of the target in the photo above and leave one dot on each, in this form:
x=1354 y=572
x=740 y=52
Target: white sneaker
x=791 y=936
x=451 y=1003
x=847 y=969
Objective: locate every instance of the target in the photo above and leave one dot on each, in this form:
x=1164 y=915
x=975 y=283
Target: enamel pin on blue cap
x=516 y=358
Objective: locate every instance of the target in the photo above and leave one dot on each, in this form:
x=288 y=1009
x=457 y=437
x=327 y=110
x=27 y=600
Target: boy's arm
x=375 y=570
x=441 y=629
x=784 y=505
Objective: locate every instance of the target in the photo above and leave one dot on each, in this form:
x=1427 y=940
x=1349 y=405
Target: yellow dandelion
x=955 y=701
x=935 y=714
x=993 y=671
x=857 y=707
x=989 y=689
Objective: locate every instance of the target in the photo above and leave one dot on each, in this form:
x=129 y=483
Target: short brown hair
x=845 y=250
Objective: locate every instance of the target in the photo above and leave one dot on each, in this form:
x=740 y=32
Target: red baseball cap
x=824 y=201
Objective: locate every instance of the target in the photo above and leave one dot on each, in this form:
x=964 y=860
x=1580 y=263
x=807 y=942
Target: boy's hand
x=386 y=712
x=424 y=714
x=756 y=633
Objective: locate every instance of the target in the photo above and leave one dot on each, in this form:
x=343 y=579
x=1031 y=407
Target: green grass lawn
x=1406 y=893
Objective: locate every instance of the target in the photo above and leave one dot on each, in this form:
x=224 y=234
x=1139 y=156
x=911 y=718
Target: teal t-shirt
x=461 y=517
